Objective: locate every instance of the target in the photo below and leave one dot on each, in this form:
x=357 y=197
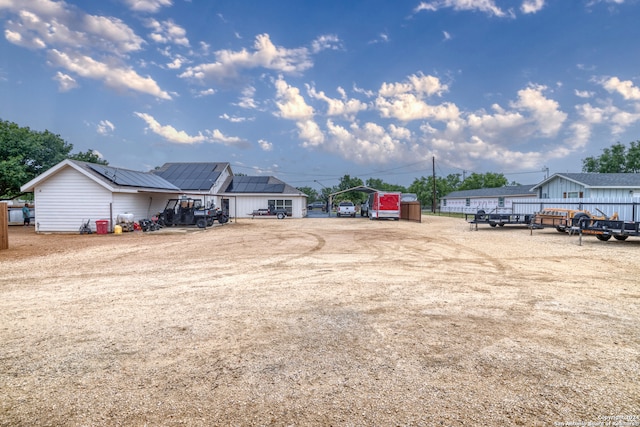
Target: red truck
x=384 y=204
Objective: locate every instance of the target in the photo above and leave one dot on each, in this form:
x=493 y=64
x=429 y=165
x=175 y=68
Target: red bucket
x=102 y=226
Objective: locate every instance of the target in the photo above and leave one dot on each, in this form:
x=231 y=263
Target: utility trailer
x=384 y=204
x=605 y=229
x=565 y=220
x=499 y=219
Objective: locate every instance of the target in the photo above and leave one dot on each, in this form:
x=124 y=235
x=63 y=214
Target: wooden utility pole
x=433 y=204
x=4 y=226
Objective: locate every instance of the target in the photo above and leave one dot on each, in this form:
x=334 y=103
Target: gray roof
x=127 y=178
x=259 y=184
x=599 y=180
x=510 y=190
x=191 y=176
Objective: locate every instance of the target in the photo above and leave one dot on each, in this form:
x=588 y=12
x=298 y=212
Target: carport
x=411 y=211
x=361 y=188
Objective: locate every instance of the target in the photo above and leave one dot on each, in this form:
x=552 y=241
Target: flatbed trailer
x=605 y=229
x=498 y=219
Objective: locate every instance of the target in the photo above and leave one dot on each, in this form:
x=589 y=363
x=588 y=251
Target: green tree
x=346 y=182
x=24 y=154
x=379 y=184
x=311 y=192
x=616 y=159
x=423 y=188
x=89 y=156
x=487 y=180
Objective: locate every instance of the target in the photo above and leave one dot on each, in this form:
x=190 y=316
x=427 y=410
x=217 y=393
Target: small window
x=573 y=195
x=467 y=202
x=501 y=202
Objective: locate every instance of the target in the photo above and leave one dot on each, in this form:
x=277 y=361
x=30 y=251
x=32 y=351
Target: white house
x=73 y=192
x=589 y=185
x=487 y=199
x=244 y=194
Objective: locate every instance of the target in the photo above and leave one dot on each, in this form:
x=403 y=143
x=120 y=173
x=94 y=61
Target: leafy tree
x=345 y=183
x=423 y=188
x=379 y=184
x=487 y=180
x=24 y=154
x=89 y=156
x=311 y=192
x=616 y=159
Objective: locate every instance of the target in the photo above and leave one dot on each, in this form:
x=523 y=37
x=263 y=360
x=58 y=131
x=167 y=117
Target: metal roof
x=129 y=178
x=599 y=180
x=191 y=176
x=510 y=190
x=255 y=184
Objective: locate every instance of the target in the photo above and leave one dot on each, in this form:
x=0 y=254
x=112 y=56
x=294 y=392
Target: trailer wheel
x=578 y=218
x=603 y=237
x=622 y=238
x=201 y=223
x=280 y=215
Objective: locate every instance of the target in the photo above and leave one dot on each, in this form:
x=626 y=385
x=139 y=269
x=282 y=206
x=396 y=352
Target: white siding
x=487 y=204
x=141 y=205
x=242 y=206
x=67 y=199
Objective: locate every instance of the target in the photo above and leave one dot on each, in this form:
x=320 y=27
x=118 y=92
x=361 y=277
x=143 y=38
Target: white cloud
x=446 y=36
x=229 y=64
x=326 y=42
x=235 y=119
x=624 y=88
x=105 y=127
x=167 y=32
x=112 y=76
x=532 y=6
x=291 y=104
x=171 y=134
x=65 y=82
x=583 y=93
x=344 y=107
x=310 y=133
x=487 y=6
x=546 y=112
x=151 y=6
x=418 y=84
x=408 y=107
x=74 y=38
x=265 y=145
x=206 y=92
x=247 y=99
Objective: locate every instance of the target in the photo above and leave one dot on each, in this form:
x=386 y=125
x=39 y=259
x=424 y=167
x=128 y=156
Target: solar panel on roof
x=130 y=178
x=255 y=184
x=190 y=176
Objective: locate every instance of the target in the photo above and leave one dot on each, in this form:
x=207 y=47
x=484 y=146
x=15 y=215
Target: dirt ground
x=320 y=321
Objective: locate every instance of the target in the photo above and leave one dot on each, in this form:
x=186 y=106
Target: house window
x=501 y=202
x=444 y=202
x=574 y=195
x=282 y=204
x=467 y=202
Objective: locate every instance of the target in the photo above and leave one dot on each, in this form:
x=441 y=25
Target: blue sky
x=314 y=90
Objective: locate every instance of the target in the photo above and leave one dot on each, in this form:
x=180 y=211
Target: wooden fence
x=4 y=226
x=411 y=211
